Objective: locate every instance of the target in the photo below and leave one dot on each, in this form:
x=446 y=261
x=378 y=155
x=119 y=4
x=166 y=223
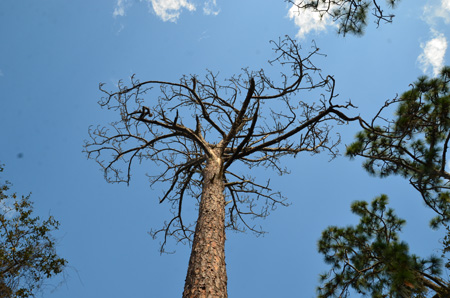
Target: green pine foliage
x=409 y=136
x=414 y=144
x=27 y=250
x=370 y=259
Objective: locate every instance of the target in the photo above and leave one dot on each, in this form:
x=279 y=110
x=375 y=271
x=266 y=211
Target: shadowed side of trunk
x=206 y=276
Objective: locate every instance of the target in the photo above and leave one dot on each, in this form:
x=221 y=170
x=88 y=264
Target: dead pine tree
x=201 y=134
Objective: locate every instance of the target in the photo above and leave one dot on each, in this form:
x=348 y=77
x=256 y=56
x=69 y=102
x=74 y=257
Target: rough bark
x=206 y=276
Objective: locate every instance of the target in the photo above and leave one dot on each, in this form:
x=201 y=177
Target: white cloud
x=433 y=53
x=446 y=4
x=435 y=10
x=169 y=10
x=308 y=20
x=445 y=10
x=210 y=8
x=119 y=10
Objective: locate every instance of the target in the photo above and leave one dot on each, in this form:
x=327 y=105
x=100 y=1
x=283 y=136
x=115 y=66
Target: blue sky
x=53 y=55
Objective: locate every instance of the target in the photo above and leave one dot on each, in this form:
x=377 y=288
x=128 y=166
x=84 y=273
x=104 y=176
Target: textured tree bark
x=207 y=276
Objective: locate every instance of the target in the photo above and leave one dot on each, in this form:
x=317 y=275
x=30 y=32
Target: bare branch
x=248 y=119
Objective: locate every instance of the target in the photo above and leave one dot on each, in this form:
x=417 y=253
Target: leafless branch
x=251 y=119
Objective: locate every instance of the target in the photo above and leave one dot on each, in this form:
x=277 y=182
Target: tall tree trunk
x=207 y=276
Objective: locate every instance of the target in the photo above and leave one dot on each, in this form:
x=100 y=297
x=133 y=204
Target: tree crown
x=27 y=250
x=415 y=143
x=370 y=258
x=250 y=120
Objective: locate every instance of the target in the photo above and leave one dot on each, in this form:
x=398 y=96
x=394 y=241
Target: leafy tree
x=198 y=132
x=370 y=258
x=415 y=143
x=27 y=250
x=350 y=15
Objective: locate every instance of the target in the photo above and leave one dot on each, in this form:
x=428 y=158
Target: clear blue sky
x=53 y=54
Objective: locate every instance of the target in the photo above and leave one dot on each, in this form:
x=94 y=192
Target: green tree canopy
x=370 y=258
x=27 y=250
x=415 y=143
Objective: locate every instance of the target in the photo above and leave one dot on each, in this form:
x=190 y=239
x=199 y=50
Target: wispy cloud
x=203 y=36
x=433 y=53
x=169 y=10
x=434 y=49
x=435 y=10
x=308 y=20
x=119 y=9
x=210 y=8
